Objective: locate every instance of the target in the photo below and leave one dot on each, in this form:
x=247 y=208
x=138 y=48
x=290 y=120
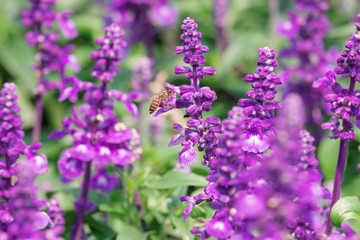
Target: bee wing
x=156 y=95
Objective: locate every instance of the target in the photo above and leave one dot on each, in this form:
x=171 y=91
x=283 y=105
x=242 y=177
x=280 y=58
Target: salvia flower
x=345 y=104
x=55 y=213
x=294 y=146
x=259 y=109
x=264 y=197
x=23 y=205
x=142 y=76
x=99 y=138
x=143 y=19
x=259 y=196
x=305 y=31
x=20 y=209
x=201 y=132
x=11 y=143
x=50 y=57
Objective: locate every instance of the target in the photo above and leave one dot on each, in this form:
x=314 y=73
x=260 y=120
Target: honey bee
x=160 y=97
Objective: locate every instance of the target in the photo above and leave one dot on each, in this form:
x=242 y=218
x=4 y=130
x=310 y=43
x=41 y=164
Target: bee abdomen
x=153 y=106
x=152 y=109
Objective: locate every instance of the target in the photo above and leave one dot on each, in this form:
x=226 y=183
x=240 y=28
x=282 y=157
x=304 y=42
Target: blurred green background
x=249 y=25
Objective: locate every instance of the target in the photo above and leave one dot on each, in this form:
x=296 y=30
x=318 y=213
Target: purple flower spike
x=99 y=138
x=141 y=77
x=258 y=125
x=264 y=197
x=143 y=20
x=345 y=103
x=51 y=57
x=66 y=25
x=108 y=56
x=10 y=134
x=24 y=205
x=201 y=132
x=305 y=30
x=20 y=217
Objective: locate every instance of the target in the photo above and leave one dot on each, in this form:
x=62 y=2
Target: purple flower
x=20 y=215
x=55 y=212
x=344 y=102
x=10 y=134
x=114 y=141
x=218 y=228
x=305 y=31
x=268 y=196
x=23 y=205
x=258 y=196
x=220 y=9
x=102 y=181
x=99 y=138
x=194 y=201
x=163 y=15
x=141 y=77
x=69 y=166
x=143 y=19
x=50 y=57
x=66 y=25
x=258 y=125
x=201 y=132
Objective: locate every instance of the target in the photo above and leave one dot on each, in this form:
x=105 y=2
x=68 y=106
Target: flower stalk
x=337 y=181
x=83 y=200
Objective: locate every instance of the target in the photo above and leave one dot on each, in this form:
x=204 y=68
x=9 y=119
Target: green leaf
x=16 y=58
x=175 y=179
x=183 y=227
x=328 y=153
x=109 y=209
x=347 y=209
x=127 y=232
x=99 y=229
x=197 y=212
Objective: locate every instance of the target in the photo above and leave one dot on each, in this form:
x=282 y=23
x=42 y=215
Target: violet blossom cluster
x=294 y=146
x=258 y=125
x=98 y=135
x=259 y=196
x=21 y=215
x=99 y=138
x=142 y=18
x=50 y=57
x=141 y=77
x=247 y=133
x=344 y=102
x=199 y=131
x=305 y=30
